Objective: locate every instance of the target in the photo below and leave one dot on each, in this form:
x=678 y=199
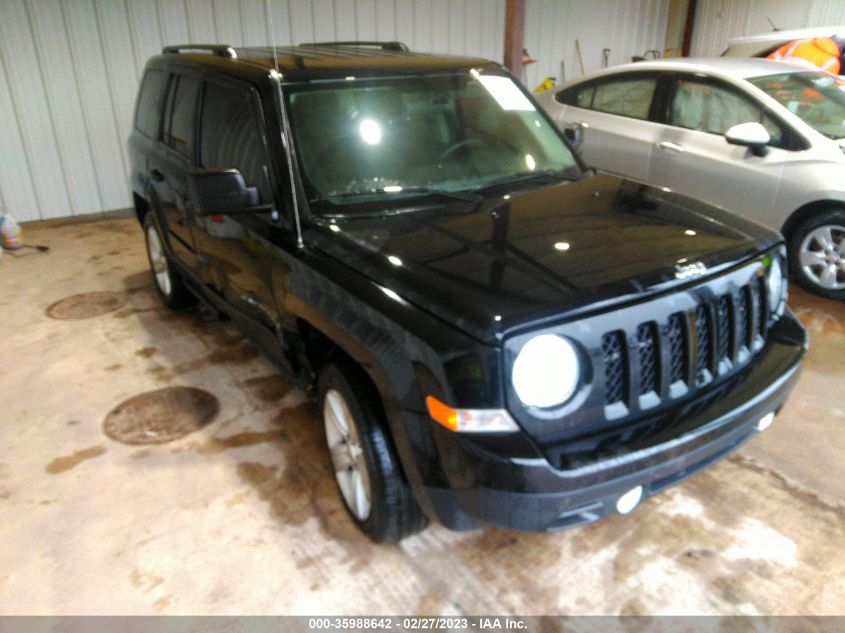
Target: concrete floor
x=242 y=516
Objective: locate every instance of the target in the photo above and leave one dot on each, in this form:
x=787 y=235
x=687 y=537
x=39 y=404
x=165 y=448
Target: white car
x=761 y=138
x=765 y=43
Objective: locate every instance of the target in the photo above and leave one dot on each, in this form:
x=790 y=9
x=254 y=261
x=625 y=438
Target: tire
x=817 y=254
x=387 y=512
x=168 y=281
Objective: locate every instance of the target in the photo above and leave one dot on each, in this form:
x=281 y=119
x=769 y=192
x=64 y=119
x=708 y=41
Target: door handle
x=156 y=175
x=668 y=146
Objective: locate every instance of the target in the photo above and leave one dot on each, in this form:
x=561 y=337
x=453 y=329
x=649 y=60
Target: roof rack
x=398 y=47
x=222 y=50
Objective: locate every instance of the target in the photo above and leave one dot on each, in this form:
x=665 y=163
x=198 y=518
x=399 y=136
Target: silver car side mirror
x=751 y=135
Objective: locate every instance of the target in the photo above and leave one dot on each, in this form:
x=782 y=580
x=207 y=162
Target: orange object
x=442 y=413
x=821 y=52
x=526 y=58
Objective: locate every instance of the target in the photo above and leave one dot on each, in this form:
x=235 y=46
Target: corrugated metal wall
x=626 y=27
x=69 y=72
x=717 y=21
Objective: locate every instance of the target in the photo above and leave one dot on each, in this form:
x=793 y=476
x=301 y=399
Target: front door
x=692 y=157
x=237 y=251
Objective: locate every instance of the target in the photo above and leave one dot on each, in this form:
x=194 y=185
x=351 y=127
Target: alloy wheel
x=158 y=261
x=822 y=256
x=347 y=453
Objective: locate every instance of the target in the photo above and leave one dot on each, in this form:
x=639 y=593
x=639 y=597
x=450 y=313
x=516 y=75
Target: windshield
x=817 y=97
x=386 y=139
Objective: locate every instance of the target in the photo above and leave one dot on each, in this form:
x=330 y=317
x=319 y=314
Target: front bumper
x=506 y=481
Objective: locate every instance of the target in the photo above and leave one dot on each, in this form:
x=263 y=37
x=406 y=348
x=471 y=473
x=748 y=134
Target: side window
x=150 y=98
x=578 y=96
x=629 y=97
x=699 y=105
x=180 y=120
x=230 y=135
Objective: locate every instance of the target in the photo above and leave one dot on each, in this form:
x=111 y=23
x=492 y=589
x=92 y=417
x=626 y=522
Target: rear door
x=238 y=250
x=614 y=114
x=171 y=163
x=692 y=156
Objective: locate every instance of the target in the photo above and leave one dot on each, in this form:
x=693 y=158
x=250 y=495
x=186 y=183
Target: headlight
x=776 y=286
x=545 y=372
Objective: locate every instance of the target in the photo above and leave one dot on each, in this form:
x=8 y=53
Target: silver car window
x=699 y=105
x=817 y=97
x=628 y=97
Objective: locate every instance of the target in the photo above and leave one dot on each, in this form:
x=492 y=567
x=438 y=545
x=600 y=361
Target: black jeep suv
x=496 y=334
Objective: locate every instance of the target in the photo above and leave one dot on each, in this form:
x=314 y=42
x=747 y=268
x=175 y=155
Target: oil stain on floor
x=86 y=305
x=61 y=464
x=270 y=388
x=160 y=416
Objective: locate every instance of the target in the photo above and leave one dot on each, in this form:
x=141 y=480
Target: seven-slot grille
x=710 y=340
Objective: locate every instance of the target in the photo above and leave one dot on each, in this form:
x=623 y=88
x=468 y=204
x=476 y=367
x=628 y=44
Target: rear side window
x=230 y=135
x=180 y=121
x=150 y=98
x=626 y=97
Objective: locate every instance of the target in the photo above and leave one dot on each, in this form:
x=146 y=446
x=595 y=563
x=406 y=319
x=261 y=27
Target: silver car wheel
x=347 y=455
x=822 y=256
x=158 y=260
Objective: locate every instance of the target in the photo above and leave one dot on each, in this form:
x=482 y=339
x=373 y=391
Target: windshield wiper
x=458 y=195
x=526 y=175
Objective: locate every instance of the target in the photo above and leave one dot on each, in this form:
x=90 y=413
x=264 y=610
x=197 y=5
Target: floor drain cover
x=161 y=416
x=85 y=306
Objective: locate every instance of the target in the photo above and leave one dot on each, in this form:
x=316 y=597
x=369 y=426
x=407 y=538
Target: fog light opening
x=629 y=500
x=765 y=422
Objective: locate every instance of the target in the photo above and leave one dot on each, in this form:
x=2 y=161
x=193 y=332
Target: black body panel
x=496 y=266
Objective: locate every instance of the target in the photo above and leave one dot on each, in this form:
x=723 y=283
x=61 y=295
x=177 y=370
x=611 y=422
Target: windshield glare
x=817 y=97
x=370 y=139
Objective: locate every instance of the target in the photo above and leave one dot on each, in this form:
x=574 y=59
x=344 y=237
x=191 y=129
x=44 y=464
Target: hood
x=505 y=263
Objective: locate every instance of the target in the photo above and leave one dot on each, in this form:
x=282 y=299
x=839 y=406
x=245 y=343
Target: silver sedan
x=761 y=138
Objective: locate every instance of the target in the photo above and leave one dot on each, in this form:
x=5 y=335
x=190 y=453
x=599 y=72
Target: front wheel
x=817 y=254
x=366 y=467
x=169 y=284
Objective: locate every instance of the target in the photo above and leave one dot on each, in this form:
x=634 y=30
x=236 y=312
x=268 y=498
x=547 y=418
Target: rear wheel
x=817 y=254
x=169 y=283
x=366 y=468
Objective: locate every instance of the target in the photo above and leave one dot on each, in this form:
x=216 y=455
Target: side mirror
x=574 y=133
x=751 y=135
x=223 y=191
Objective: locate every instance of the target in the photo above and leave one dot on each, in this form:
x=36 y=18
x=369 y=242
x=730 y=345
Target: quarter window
x=579 y=96
x=230 y=135
x=627 y=97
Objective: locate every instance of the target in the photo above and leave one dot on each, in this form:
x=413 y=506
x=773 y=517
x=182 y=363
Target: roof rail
x=223 y=50
x=398 y=47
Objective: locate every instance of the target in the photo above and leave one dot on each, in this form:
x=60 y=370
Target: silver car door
x=612 y=112
x=692 y=157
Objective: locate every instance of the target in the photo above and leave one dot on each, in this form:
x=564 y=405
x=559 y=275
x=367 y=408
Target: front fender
x=406 y=352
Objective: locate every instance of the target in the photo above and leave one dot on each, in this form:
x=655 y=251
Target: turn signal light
x=443 y=413
x=470 y=420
